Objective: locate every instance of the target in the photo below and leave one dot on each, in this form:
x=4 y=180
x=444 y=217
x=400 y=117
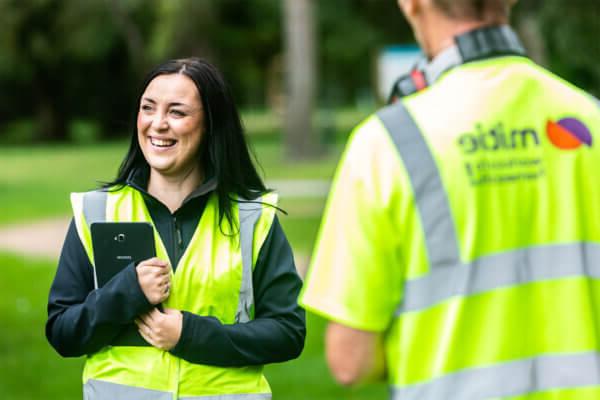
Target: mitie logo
x=497 y=156
x=498 y=138
x=568 y=133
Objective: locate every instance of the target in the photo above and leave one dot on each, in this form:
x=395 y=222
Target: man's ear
x=409 y=7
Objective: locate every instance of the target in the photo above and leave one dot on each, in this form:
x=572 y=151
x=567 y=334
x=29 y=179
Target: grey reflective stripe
x=95 y=389
x=246 y=396
x=94 y=206
x=101 y=390
x=430 y=196
x=509 y=379
x=249 y=215
x=501 y=270
x=94 y=210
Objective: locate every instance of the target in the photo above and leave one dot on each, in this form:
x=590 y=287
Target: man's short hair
x=473 y=9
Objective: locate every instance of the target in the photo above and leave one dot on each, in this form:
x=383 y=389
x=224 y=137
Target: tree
x=301 y=139
x=58 y=52
x=571 y=32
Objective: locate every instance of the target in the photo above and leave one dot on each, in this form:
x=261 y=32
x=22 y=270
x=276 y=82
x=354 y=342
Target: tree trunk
x=131 y=34
x=51 y=120
x=301 y=138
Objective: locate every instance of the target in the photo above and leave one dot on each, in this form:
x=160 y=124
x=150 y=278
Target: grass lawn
x=30 y=369
x=35 y=182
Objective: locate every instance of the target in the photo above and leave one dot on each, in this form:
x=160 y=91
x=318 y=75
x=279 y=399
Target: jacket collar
x=138 y=179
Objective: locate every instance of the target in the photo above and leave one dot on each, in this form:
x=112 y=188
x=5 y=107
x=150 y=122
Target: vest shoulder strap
x=94 y=206
x=249 y=213
x=430 y=196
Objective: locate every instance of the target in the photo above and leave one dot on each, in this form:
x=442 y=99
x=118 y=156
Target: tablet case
x=118 y=244
x=115 y=246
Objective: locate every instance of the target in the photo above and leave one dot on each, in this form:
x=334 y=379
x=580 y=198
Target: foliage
x=84 y=60
x=71 y=60
x=57 y=58
x=571 y=33
x=351 y=34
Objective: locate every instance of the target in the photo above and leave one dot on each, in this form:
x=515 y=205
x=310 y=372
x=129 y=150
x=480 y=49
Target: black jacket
x=82 y=320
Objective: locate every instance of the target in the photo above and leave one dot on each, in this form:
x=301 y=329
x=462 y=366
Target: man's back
x=472 y=234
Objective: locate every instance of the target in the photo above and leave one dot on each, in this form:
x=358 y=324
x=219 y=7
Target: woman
x=224 y=272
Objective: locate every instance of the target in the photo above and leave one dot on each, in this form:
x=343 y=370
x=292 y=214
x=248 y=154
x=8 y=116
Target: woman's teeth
x=162 y=142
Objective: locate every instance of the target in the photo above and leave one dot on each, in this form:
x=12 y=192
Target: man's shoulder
x=548 y=76
x=368 y=133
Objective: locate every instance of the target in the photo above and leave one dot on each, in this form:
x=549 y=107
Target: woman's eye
x=146 y=107
x=177 y=113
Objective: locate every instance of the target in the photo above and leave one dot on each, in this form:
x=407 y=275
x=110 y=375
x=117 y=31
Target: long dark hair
x=224 y=153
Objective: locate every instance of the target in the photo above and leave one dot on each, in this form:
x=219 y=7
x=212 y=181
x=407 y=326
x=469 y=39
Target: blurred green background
x=69 y=74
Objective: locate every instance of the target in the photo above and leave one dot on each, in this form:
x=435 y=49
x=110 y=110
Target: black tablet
x=118 y=244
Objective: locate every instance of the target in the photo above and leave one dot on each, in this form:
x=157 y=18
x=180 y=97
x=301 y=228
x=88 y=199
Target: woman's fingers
x=156 y=262
x=154 y=277
x=155 y=314
x=143 y=321
x=143 y=328
x=147 y=335
x=161 y=330
x=155 y=266
x=150 y=317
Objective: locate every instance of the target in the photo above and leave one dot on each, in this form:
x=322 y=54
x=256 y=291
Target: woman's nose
x=159 y=122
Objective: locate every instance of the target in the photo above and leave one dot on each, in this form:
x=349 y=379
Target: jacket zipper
x=178 y=244
x=178 y=240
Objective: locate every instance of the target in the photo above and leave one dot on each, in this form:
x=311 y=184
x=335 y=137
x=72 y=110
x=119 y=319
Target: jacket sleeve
x=81 y=319
x=278 y=329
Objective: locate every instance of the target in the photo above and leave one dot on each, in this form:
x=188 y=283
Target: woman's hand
x=154 y=276
x=161 y=330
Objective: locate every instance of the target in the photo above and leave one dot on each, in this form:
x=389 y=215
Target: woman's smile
x=162 y=143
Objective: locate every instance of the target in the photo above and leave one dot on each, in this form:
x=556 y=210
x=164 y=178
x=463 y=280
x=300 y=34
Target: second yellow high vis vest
x=464 y=226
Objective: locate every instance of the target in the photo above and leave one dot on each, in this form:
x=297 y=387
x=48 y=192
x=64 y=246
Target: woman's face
x=170 y=125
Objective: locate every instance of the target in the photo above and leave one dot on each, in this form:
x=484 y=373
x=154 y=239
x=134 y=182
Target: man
x=459 y=254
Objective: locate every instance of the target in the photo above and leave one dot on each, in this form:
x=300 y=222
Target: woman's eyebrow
x=176 y=103
x=172 y=104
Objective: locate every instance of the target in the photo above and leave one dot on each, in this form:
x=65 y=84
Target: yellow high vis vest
x=486 y=200
x=213 y=278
